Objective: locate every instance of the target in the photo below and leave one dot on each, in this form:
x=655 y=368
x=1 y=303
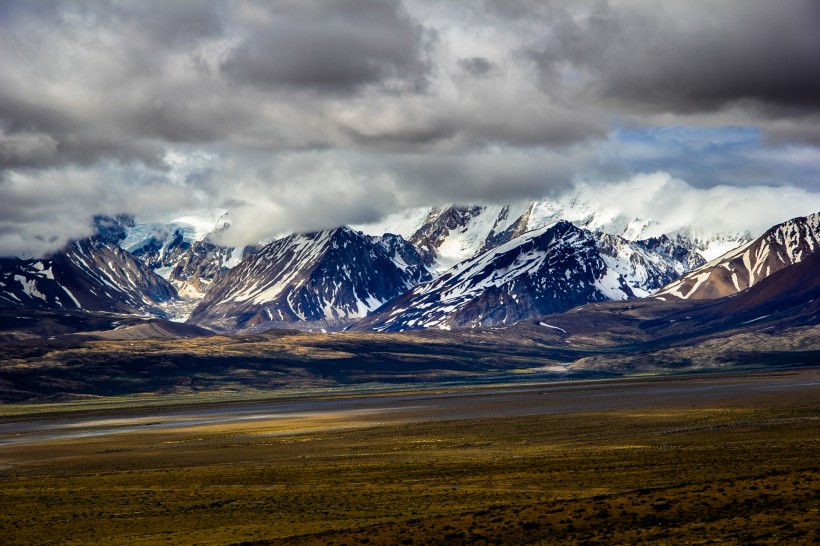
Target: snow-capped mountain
x=782 y=245
x=448 y=235
x=182 y=253
x=647 y=265
x=92 y=274
x=544 y=271
x=452 y=234
x=326 y=278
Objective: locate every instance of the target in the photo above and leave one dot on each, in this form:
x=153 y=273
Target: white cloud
x=675 y=205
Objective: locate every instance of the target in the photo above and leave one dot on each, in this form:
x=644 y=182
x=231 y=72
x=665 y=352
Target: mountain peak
x=92 y=274
x=324 y=278
x=780 y=246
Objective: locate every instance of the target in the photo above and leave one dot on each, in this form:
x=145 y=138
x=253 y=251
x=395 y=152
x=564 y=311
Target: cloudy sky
x=304 y=114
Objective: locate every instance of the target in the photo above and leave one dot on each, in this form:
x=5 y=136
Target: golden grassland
x=725 y=471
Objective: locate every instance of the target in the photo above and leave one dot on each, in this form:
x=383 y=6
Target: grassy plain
x=730 y=467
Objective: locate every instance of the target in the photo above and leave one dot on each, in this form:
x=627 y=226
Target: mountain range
x=544 y=271
x=558 y=299
x=443 y=237
x=774 y=323
x=450 y=267
x=450 y=234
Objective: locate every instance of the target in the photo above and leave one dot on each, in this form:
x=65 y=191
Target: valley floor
x=729 y=458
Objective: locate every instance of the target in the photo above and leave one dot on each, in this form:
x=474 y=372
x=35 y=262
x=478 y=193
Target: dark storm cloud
x=173 y=24
x=193 y=120
x=686 y=57
x=476 y=66
x=335 y=47
x=88 y=81
x=85 y=81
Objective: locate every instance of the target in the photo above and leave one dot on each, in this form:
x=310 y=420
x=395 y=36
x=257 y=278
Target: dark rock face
x=541 y=272
x=93 y=274
x=404 y=252
x=333 y=277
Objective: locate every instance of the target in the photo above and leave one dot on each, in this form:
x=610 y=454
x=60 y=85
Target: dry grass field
x=604 y=463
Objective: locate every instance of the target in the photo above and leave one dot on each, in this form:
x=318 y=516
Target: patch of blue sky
x=710 y=156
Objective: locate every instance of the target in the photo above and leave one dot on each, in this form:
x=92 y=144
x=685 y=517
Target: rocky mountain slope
x=196 y=269
x=181 y=253
x=789 y=298
x=782 y=245
x=325 y=279
x=455 y=233
x=42 y=326
x=540 y=272
x=773 y=323
x=93 y=274
x=650 y=264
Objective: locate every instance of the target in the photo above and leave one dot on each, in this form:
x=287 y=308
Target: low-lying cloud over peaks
x=673 y=205
x=309 y=113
